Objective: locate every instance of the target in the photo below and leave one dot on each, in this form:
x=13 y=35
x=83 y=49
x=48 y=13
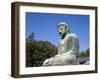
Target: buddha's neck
x=62 y=37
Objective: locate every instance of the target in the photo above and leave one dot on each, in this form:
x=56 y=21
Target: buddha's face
x=62 y=30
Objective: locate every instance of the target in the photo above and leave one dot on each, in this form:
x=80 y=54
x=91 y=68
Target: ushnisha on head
x=63 y=29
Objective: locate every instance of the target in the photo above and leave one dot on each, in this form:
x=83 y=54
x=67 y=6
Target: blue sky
x=44 y=25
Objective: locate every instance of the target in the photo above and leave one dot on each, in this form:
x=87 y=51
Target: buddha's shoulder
x=72 y=35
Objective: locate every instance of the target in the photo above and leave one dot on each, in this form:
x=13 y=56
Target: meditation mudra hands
x=68 y=48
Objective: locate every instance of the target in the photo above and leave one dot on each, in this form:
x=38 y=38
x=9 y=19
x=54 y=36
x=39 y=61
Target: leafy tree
x=87 y=52
x=31 y=36
x=38 y=51
x=84 y=55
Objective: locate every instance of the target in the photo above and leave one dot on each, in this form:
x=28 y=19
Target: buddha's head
x=63 y=29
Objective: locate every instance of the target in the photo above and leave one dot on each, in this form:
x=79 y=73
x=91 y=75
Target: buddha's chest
x=63 y=45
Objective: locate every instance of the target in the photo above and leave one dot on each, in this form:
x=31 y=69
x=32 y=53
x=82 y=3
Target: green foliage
x=38 y=51
x=84 y=56
x=31 y=36
x=84 y=53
